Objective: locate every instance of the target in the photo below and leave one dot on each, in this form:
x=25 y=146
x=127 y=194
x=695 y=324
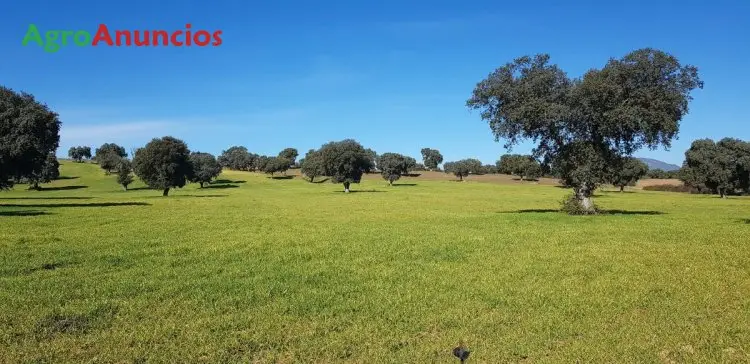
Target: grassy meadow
x=254 y=269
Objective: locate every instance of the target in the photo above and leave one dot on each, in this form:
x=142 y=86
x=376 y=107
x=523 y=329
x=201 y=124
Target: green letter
x=86 y=38
x=32 y=34
x=51 y=36
x=65 y=34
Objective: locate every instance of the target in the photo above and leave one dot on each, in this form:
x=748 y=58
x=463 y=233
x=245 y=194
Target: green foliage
x=79 y=153
x=29 y=133
x=109 y=155
x=393 y=165
x=47 y=172
x=238 y=158
x=276 y=165
x=259 y=163
x=523 y=166
x=124 y=173
x=289 y=154
x=164 y=163
x=723 y=167
x=205 y=167
x=431 y=158
x=585 y=124
x=345 y=161
x=463 y=168
x=312 y=165
x=658 y=173
x=628 y=172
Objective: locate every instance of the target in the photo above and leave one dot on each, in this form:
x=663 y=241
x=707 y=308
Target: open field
x=256 y=269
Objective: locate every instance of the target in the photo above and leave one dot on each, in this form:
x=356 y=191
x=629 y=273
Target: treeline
x=721 y=167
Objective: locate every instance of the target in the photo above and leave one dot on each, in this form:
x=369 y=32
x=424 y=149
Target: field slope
x=256 y=269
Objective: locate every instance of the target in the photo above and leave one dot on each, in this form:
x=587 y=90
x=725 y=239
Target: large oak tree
x=29 y=133
x=586 y=125
x=164 y=163
x=345 y=161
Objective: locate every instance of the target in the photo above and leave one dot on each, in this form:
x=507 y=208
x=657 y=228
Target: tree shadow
x=62 y=188
x=66 y=177
x=181 y=196
x=404 y=184
x=95 y=204
x=222 y=181
x=23 y=213
x=746 y=221
x=140 y=188
x=603 y=212
x=321 y=181
x=411 y=174
x=220 y=186
x=359 y=191
x=281 y=177
x=46 y=198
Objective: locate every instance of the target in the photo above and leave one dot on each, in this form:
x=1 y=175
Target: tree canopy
x=238 y=158
x=205 y=167
x=109 y=155
x=586 y=125
x=393 y=165
x=289 y=154
x=463 y=168
x=345 y=161
x=722 y=167
x=431 y=158
x=630 y=171
x=523 y=166
x=276 y=165
x=164 y=163
x=29 y=133
x=312 y=165
x=46 y=173
x=124 y=173
x=79 y=153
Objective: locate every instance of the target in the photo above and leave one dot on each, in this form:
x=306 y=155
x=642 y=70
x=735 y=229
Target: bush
x=571 y=206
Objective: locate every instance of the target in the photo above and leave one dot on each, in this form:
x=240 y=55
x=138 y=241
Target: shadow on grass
x=220 y=186
x=94 y=204
x=360 y=191
x=321 y=180
x=23 y=213
x=141 y=188
x=411 y=174
x=45 y=198
x=746 y=221
x=604 y=212
x=404 y=184
x=222 y=181
x=67 y=177
x=62 y=188
x=181 y=196
x=281 y=177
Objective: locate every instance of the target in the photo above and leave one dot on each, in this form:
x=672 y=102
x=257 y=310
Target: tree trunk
x=460 y=177
x=722 y=193
x=312 y=179
x=201 y=182
x=583 y=195
x=346 y=187
x=622 y=188
x=390 y=182
x=124 y=187
x=166 y=192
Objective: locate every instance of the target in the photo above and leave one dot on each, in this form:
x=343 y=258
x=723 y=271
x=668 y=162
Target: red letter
x=102 y=34
x=118 y=35
x=164 y=36
x=174 y=38
x=138 y=42
x=217 y=38
x=187 y=34
x=198 y=35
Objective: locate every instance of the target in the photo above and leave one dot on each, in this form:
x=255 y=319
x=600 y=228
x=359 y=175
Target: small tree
x=583 y=125
x=458 y=169
x=164 y=163
x=78 y=153
x=431 y=158
x=628 y=173
x=392 y=166
x=205 y=167
x=276 y=165
x=289 y=154
x=124 y=173
x=108 y=156
x=237 y=158
x=312 y=165
x=345 y=161
x=48 y=171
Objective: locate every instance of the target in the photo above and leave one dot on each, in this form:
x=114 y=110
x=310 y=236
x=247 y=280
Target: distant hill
x=657 y=164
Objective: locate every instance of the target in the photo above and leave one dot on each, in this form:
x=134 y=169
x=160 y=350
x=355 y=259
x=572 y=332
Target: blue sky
x=394 y=75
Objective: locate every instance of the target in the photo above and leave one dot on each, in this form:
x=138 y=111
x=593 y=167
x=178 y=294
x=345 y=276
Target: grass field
x=265 y=270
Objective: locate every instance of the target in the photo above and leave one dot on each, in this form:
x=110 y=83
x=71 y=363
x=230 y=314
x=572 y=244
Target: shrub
x=572 y=206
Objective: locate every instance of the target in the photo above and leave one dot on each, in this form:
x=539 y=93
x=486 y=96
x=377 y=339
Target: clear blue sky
x=394 y=75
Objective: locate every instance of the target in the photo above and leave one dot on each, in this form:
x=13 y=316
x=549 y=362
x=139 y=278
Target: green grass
x=288 y=271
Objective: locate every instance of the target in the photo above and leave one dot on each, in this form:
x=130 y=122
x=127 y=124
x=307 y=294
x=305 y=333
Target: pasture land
x=256 y=269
